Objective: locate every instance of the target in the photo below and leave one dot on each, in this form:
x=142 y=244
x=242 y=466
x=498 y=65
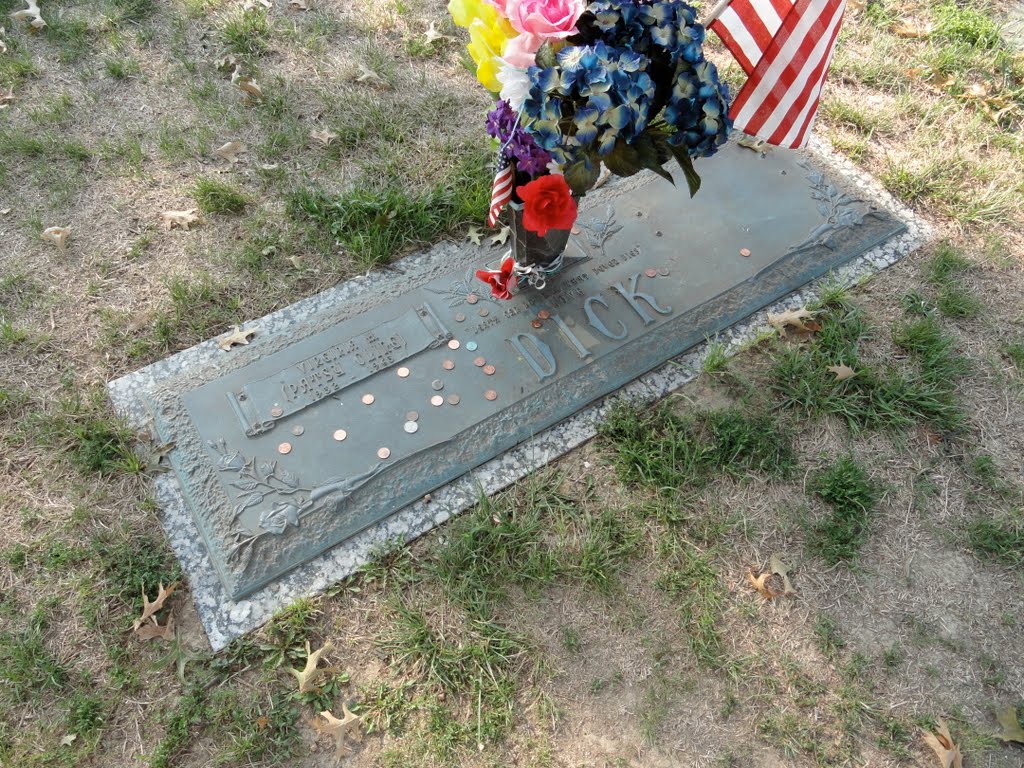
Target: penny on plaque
x=472 y=298
x=480 y=362
x=448 y=365
x=484 y=312
x=489 y=370
x=383 y=453
x=412 y=416
x=744 y=251
x=403 y=372
x=437 y=400
x=284 y=448
x=277 y=411
x=490 y=394
x=368 y=399
x=651 y=272
x=454 y=399
x=298 y=429
x=459 y=317
x=543 y=314
x=340 y=434
x=536 y=323
x=453 y=344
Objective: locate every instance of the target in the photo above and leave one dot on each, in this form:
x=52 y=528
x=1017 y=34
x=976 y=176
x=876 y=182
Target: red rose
x=502 y=282
x=547 y=204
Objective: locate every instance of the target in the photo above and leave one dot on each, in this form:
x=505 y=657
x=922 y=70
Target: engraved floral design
x=457 y=292
x=257 y=479
x=600 y=231
x=838 y=208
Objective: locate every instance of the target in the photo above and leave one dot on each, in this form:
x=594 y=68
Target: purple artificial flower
x=517 y=144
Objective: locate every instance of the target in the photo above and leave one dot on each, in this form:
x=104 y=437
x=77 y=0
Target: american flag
x=785 y=47
x=501 y=190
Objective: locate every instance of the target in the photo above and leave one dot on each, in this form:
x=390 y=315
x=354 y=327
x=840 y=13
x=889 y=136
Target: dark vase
x=530 y=248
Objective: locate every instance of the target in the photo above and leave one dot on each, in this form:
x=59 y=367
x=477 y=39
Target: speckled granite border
x=224 y=619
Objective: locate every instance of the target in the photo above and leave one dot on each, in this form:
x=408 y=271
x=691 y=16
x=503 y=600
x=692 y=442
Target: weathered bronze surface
x=649 y=274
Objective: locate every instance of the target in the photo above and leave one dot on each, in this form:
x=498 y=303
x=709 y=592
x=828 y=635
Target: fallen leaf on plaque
x=791 y=318
x=237 y=336
x=942 y=744
x=152 y=630
x=325 y=136
x=366 y=74
x=338 y=729
x=760 y=583
x=148 y=608
x=310 y=674
x=474 y=235
x=56 y=235
x=31 y=16
x=780 y=569
x=68 y=740
x=230 y=151
x=1011 y=730
x=842 y=372
x=180 y=219
x=754 y=143
x=501 y=237
x=912 y=29
x=432 y=34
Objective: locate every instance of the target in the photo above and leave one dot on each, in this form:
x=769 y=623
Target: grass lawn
x=602 y=612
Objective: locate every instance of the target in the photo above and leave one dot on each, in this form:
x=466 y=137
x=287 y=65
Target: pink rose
x=521 y=50
x=546 y=19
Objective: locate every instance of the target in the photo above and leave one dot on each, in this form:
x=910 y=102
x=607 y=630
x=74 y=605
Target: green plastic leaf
x=546 y=56
x=624 y=160
x=582 y=175
x=686 y=163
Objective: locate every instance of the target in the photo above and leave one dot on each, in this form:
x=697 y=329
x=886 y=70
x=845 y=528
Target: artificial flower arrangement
x=623 y=83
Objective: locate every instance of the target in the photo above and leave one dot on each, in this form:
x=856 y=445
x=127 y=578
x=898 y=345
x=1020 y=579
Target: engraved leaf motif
x=289 y=478
x=266 y=467
x=245 y=486
x=229 y=462
x=823 y=209
x=248 y=501
x=275 y=520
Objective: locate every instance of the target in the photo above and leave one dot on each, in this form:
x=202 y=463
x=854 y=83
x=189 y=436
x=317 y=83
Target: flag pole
x=716 y=11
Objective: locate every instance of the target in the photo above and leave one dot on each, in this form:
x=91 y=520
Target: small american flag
x=785 y=47
x=501 y=190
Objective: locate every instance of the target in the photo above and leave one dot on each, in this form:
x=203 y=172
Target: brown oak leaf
x=56 y=235
x=842 y=372
x=325 y=137
x=30 y=15
x=760 y=583
x=791 y=318
x=237 y=336
x=230 y=151
x=912 y=29
x=248 y=85
x=942 y=744
x=780 y=569
x=310 y=674
x=6 y=99
x=368 y=75
x=148 y=608
x=152 y=630
x=1011 y=730
x=338 y=729
x=181 y=219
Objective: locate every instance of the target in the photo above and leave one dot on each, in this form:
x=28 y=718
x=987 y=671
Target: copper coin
x=368 y=399
x=276 y=411
x=744 y=251
x=453 y=344
x=412 y=416
x=663 y=271
x=383 y=453
x=284 y=448
x=651 y=272
x=437 y=400
x=460 y=318
x=454 y=399
x=543 y=314
x=402 y=372
x=490 y=394
x=448 y=365
x=437 y=385
x=479 y=362
x=411 y=427
x=298 y=429
x=472 y=298
x=575 y=230
x=536 y=323
x=484 y=312
x=340 y=434
x=489 y=370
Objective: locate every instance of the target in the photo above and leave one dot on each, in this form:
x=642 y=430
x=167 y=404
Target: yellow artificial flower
x=489 y=33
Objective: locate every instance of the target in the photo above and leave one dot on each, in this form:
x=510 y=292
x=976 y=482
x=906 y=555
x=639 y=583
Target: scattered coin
x=411 y=426
x=460 y=318
x=383 y=453
x=484 y=312
x=536 y=323
x=454 y=399
x=658 y=233
x=575 y=230
x=298 y=429
x=448 y=365
x=471 y=346
x=284 y=448
x=437 y=400
x=543 y=314
x=489 y=370
x=402 y=372
x=479 y=362
x=368 y=399
x=663 y=271
x=639 y=214
x=340 y=434
x=651 y=272
x=472 y=298
x=437 y=385
x=744 y=251
x=277 y=411
x=453 y=344
x=490 y=394
x=412 y=416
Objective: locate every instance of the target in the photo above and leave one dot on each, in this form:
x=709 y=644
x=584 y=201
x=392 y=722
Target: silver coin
x=411 y=426
x=437 y=385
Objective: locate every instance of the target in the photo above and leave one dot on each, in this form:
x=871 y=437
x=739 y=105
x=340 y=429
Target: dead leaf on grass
x=854 y=8
x=298 y=5
x=432 y=34
x=148 y=608
x=237 y=336
x=842 y=372
x=310 y=674
x=230 y=151
x=152 y=630
x=942 y=744
x=252 y=5
x=31 y=16
x=1011 y=730
x=268 y=166
x=779 y=568
x=912 y=29
x=325 y=137
x=368 y=75
x=791 y=318
x=227 y=63
x=338 y=729
x=6 y=99
x=68 y=740
x=296 y=260
x=180 y=219
x=760 y=583
x=5 y=211
x=248 y=85
x=3 y=45
x=501 y=237
x=474 y=234
x=56 y=235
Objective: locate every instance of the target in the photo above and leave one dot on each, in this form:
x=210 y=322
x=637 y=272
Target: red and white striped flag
x=501 y=190
x=785 y=47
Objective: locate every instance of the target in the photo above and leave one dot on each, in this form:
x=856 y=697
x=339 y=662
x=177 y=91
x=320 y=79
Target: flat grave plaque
x=289 y=446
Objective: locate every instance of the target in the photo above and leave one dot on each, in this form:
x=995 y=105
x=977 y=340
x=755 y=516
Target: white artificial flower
x=515 y=85
x=554 y=168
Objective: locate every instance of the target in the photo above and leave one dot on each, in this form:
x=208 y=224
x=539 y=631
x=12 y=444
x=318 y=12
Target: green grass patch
x=27 y=666
x=699 y=594
x=247 y=32
x=214 y=196
x=852 y=495
x=966 y=24
x=1000 y=540
x=1014 y=352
